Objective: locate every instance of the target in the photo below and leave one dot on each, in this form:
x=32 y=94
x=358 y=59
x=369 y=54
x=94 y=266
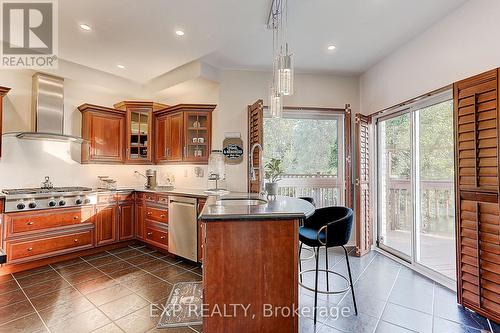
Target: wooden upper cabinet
x=103 y=129
x=183 y=133
x=476 y=121
x=3 y=92
x=139 y=130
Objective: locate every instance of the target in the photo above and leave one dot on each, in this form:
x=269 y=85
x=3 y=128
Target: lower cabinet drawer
x=31 y=249
x=156 y=237
x=37 y=221
x=156 y=214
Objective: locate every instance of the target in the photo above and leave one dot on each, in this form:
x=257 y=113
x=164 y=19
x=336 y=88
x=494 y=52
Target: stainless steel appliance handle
x=183 y=203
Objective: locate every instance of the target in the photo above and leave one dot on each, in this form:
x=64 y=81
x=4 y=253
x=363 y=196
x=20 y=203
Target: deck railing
x=437 y=208
x=325 y=189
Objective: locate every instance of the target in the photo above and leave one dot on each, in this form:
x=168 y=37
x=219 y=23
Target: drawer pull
x=75 y=217
x=149 y=233
x=162 y=237
x=149 y=213
x=162 y=216
x=75 y=240
x=30 y=223
x=30 y=249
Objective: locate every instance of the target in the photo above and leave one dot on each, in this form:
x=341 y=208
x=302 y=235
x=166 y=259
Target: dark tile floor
x=113 y=292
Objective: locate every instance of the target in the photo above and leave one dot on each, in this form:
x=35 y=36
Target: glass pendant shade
x=275 y=103
x=285 y=75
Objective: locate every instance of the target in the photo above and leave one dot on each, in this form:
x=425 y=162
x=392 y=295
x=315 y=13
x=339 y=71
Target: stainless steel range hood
x=48 y=110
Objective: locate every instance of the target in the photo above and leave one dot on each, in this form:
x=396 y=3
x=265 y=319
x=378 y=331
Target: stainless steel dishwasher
x=182 y=227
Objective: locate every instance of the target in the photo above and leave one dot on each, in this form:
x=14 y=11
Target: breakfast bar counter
x=250 y=263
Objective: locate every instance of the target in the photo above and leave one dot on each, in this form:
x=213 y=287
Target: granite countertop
x=276 y=209
x=199 y=193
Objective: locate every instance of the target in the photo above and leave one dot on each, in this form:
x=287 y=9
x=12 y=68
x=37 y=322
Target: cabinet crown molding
x=124 y=105
x=92 y=107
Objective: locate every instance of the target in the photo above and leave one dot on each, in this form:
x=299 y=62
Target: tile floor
x=112 y=292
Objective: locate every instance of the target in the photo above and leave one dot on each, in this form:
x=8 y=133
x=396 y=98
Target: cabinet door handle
x=30 y=223
x=148 y=213
x=149 y=233
x=185 y=151
x=75 y=217
x=162 y=216
x=162 y=237
x=30 y=249
x=75 y=240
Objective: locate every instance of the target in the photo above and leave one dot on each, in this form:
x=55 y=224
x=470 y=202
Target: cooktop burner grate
x=43 y=190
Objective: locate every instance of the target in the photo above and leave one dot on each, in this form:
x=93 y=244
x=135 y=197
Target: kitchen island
x=250 y=263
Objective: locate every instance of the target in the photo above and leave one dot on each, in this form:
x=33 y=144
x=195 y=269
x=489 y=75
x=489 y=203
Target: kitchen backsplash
x=25 y=163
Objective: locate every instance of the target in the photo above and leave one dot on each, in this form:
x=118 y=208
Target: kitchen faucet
x=253 y=175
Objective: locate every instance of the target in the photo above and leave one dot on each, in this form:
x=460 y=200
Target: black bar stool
x=328 y=227
x=310 y=200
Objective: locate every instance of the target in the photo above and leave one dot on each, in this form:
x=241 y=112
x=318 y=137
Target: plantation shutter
x=255 y=135
x=477 y=186
x=362 y=189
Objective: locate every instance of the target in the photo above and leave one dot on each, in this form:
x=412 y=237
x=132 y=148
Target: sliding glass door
x=395 y=198
x=415 y=174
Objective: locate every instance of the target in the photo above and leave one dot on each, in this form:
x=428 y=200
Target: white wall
x=24 y=163
x=463 y=44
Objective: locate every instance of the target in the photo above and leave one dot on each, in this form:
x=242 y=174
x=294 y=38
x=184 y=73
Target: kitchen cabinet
x=201 y=204
x=3 y=92
x=106 y=224
x=169 y=140
x=183 y=133
x=103 y=130
x=139 y=130
x=477 y=186
x=126 y=225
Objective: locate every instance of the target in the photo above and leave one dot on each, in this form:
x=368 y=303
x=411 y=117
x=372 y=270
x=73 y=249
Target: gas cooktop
x=39 y=190
x=47 y=198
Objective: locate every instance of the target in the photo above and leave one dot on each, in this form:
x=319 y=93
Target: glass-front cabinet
x=139 y=136
x=197 y=136
x=183 y=133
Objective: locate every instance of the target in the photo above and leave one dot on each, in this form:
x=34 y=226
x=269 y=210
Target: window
x=310 y=145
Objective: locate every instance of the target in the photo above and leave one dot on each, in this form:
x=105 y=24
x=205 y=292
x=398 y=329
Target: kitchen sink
x=241 y=202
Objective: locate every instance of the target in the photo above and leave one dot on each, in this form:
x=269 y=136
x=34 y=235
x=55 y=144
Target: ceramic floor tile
x=141 y=259
x=109 y=328
x=114 y=267
x=73 y=269
x=6 y=278
x=46 y=287
x=32 y=271
x=155 y=292
x=87 y=275
x=28 y=324
x=154 y=265
x=52 y=299
x=95 y=285
x=107 y=295
x=12 y=297
x=106 y=260
x=413 y=293
x=15 y=311
x=385 y=327
x=443 y=325
x=8 y=286
x=65 y=311
x=138 y=321
x=66 y=263
x=123 y=306
x=128 y=254
x=407 y=318
x=357 y=324
x=82 y=323
x=37 y=278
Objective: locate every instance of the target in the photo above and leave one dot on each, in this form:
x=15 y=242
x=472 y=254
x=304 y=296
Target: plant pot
x=272 y=188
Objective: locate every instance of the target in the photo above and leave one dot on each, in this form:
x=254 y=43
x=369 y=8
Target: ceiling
x=232 y=34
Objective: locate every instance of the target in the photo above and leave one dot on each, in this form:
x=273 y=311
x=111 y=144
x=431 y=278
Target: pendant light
x=282 y=75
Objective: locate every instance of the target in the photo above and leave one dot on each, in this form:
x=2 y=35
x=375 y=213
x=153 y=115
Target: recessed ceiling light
x=179 y=33
x=85 y=27
x=331 y=47
x=120 y=66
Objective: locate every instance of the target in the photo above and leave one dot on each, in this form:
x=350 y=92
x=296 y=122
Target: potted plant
x=273 y=172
